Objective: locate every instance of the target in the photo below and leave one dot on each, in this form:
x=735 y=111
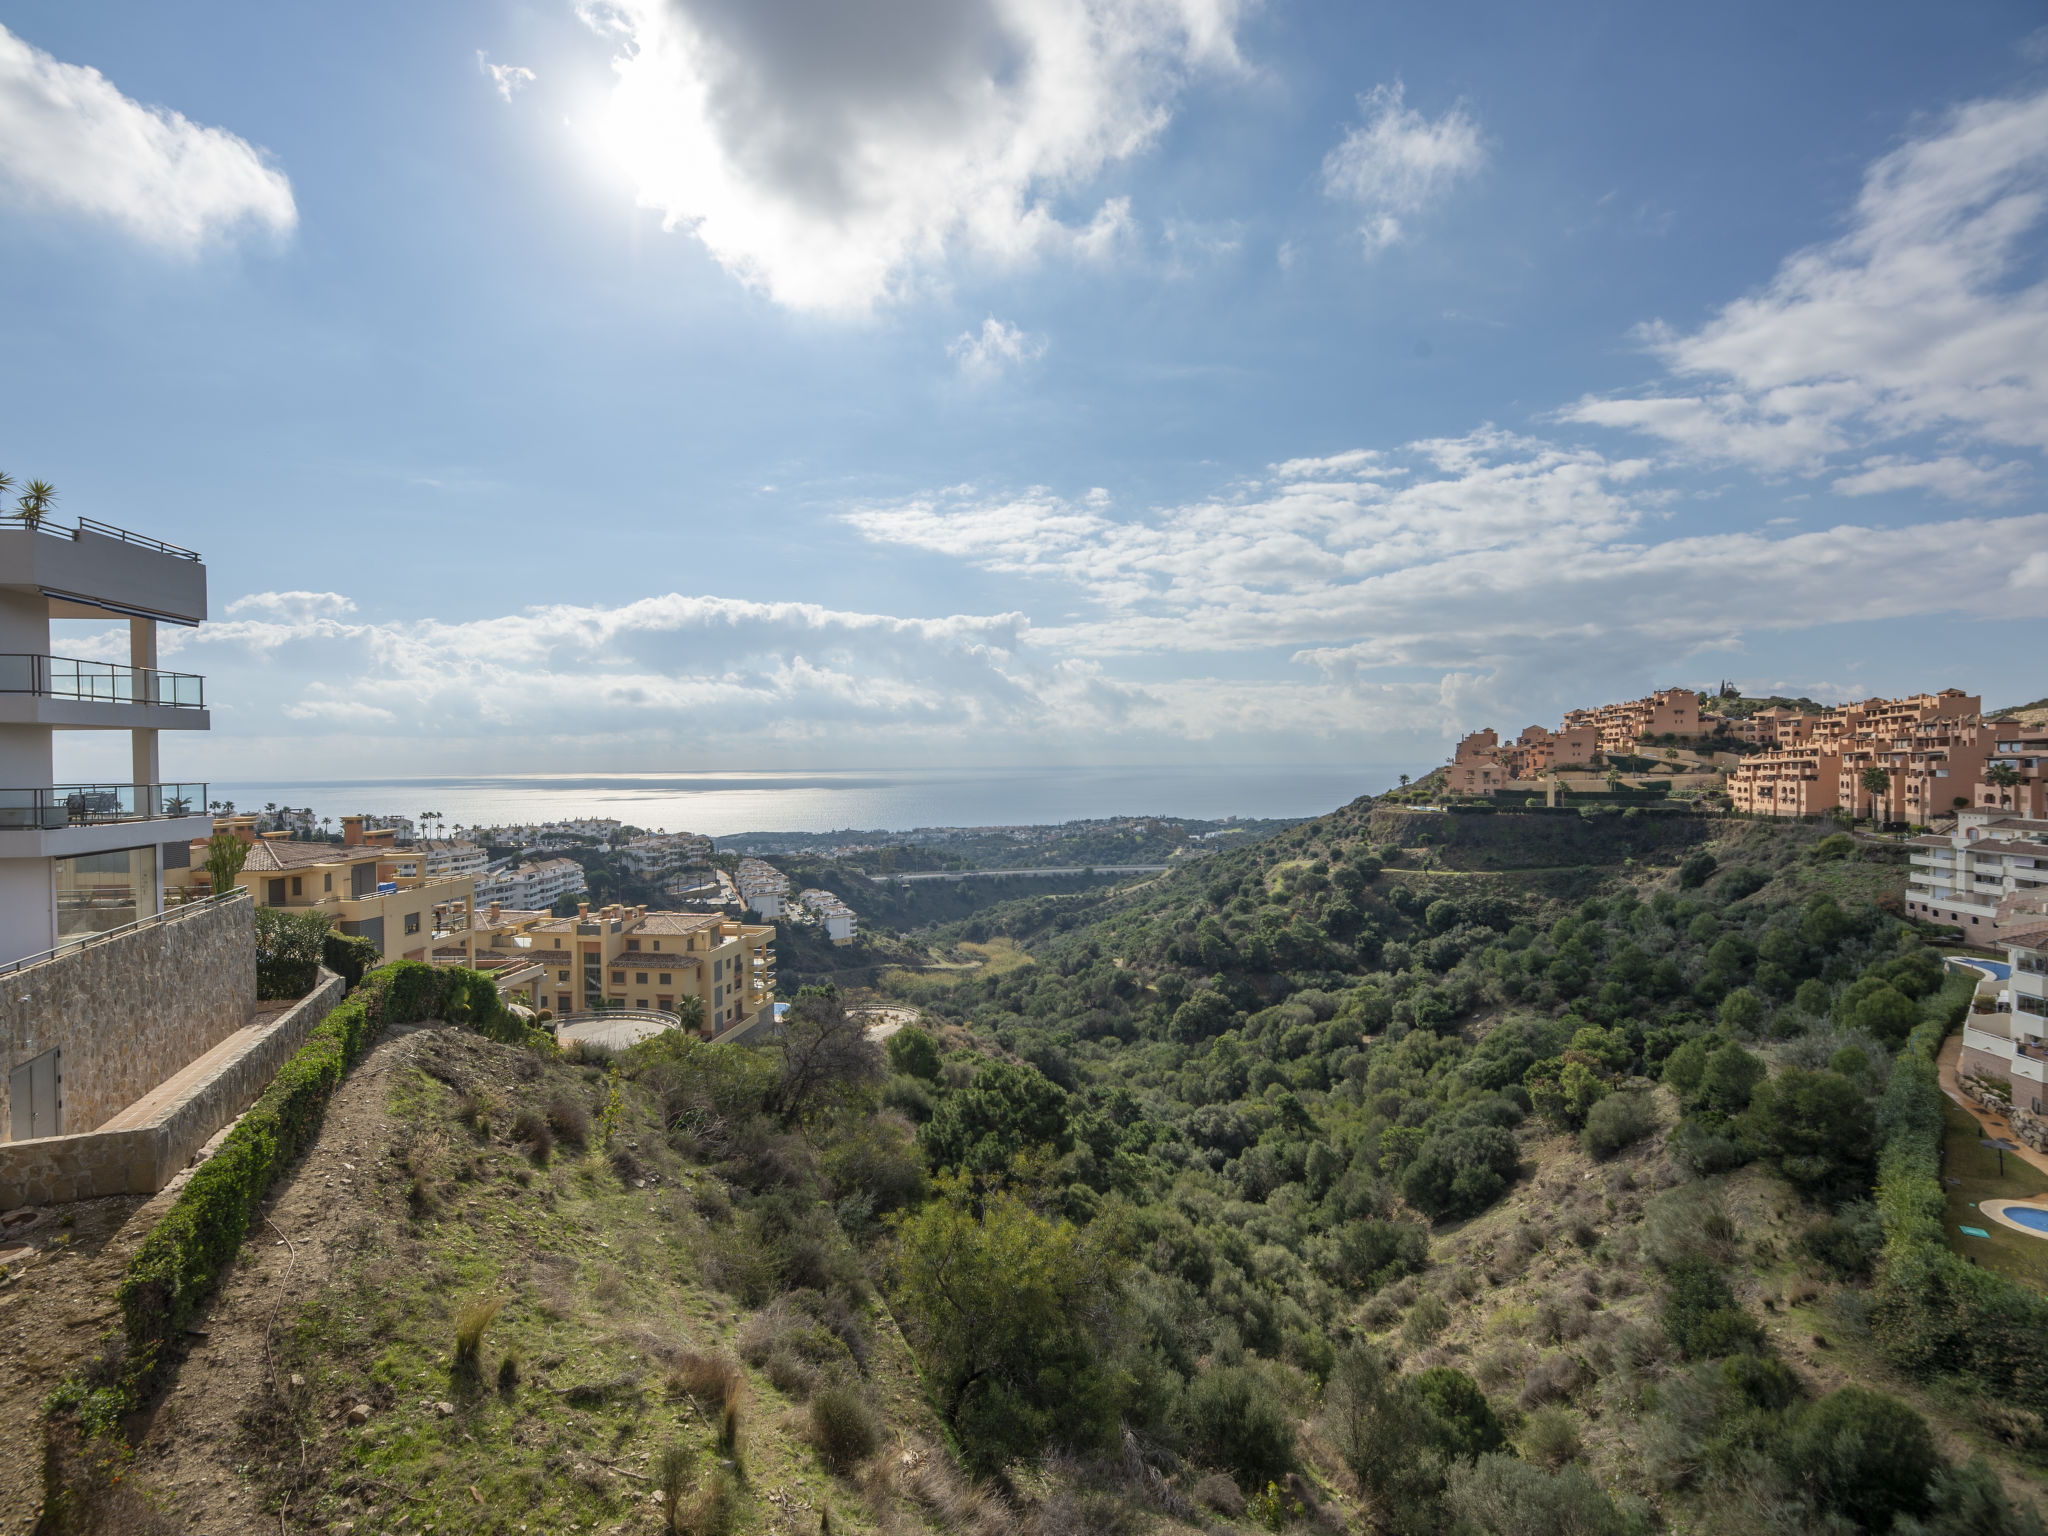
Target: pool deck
x=1993 y=1124
x=1996 y=1210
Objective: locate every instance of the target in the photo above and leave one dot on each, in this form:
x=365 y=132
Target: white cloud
x=996 y=347
x=1956 y=478
x=70 y=140
x=506 y=78
x=831 y=155
x=294 y=605
x=1927 y=317
x=1398 y=162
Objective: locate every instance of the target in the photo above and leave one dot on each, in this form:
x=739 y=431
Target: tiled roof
x=676 y=922
x=283 y=855
x=2026 y=938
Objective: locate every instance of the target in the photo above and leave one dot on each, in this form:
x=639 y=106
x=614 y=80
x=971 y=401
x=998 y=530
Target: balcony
x=99 y=682
x=91 y=805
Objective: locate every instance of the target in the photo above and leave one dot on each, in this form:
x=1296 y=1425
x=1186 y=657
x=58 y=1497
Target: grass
x=600 y=1298
x=1969 y=1177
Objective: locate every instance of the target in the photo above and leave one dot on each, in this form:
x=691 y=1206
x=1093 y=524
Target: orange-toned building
x=2023 y=750
x=1789 y=781
x=1932 y=746
x=1667 y=712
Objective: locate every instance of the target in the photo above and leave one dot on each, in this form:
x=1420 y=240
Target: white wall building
x=762 y=887
x=840 y=921
x=1990 y=874
x=532 y=887
x=78 y=859
x=663 y=853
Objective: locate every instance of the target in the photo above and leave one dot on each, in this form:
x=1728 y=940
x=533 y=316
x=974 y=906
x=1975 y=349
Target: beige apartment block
x=629 y=957
x=1618 y=727
x=358 y=890
x=1933 y=766
x=2022 y=751
x=1774 y=728
x=1791 y=781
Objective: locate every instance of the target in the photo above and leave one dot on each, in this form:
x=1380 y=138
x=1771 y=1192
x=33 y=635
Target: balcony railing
x=94 y=526
x=99 y=682
x=83 y=805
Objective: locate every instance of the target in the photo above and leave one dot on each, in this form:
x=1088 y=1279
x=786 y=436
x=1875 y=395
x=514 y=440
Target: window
x=639 y=978
x=561 y=976
x=412 y=922
x=657 y=944
x=298 y=886
x=632 y=943
x=664 y=979
x=275 y=898
x=327 y=882
x=618 y=978
x=639 y=1002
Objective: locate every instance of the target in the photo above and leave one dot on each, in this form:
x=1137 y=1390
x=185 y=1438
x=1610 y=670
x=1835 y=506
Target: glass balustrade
x=100 y=682
x=73 y=805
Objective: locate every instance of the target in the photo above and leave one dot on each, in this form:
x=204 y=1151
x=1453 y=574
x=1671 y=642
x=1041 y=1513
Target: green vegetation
x=289 y=946
x=1973 y=1173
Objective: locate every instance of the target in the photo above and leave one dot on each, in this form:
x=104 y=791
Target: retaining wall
x=141 y=1149
x=131 y=1011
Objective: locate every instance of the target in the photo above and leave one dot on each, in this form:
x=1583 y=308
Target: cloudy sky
x=642 y=384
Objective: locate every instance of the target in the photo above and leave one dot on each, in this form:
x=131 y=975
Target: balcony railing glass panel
x=75 y=805
x=99 y=682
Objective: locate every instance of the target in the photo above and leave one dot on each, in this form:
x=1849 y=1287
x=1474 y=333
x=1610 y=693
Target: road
x=990 y=874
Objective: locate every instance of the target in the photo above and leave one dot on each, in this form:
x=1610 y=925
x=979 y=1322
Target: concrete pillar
x=142 y=655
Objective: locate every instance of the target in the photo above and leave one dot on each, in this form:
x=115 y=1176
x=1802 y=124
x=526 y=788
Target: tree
x=1864 y=1455
x=1729 y=1077
x=1007 y=1110
x=1817 y=1128
x=35 y=501
x=1461 y=1171
x=1237 y=1421
x=914 y=1052
x=1007 y=1312
x=1878 y=785
x=825 y=1052
x=225 y=855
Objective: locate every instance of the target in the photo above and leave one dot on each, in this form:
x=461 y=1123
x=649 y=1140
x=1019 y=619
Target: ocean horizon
x=730 y=804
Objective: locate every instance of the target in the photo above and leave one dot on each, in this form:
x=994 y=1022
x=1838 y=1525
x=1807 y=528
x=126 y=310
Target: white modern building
x=80 y=859
x=763 y=888
x=1987 y=876
x=533 y=887
x=2005 y=1036
x=663 y=853
x=437 y=860
x=840 y=921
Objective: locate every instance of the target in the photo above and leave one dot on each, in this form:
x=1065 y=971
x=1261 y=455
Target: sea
x=889 y=799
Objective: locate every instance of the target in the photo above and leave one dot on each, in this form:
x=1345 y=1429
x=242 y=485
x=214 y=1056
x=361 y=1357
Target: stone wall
x=131 y=1011
x=140 y=1150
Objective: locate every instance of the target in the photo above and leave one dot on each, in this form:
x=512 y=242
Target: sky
x=564 y=385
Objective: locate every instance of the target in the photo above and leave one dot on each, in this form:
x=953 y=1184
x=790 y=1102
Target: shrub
x=1500 y=1496
x=1617 y=1121
x=1426 y=1319
x=1847 y=1242
x=674 y=1470
x=1372 y=1252
x=1700 y=1313
x=530 y=1130
x=913 y=1052
x=1697 y=867
x=844 y=1427
x=569 y=1120
x=1467 y=1425
x=470 y=1324
x=288 y=949
x=348 y=956
x=1550 y=1438
x=1236 y=1420
x=1462 y=1171
x=708 y=1378
x=1816 y=1127
x=1864 y=1455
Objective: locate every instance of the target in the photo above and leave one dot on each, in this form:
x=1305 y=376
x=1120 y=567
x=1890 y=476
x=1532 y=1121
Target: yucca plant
x=35 y=501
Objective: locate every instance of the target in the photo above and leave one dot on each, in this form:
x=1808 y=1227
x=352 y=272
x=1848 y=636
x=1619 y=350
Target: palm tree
x=1878 y=783
x=6 y=482
x=2005 y=776
x=35 y=502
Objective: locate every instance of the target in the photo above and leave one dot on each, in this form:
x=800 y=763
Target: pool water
x=2032 y=1217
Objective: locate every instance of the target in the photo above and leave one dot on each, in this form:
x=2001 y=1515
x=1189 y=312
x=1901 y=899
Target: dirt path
x=1994 y=1124
x=200 y=1450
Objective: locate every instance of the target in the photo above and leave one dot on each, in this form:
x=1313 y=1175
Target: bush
x=914 y=1053
x=1864 y=1455
x=530 y=1130
x=570 y=1120
x=1236 y=1420
x=288 y=949
x=1617 y=1121
x=348 y=956
x=844 y=1427
x=1550 y=1438
x=1700 y=1313
x=1500 y=1496
x=1847 y=1242
x=1461 y=1171
x=470 y=1323
x=1816 y=1127
x=1697 y=867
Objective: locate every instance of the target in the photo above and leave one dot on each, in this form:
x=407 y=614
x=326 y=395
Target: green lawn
x=2011 y=1253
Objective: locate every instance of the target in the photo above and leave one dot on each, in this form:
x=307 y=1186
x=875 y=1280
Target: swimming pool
x=2032 y=1217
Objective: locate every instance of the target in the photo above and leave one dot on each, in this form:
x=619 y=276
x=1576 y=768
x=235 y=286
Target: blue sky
x=648 y=384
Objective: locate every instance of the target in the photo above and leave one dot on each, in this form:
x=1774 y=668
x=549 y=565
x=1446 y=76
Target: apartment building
x=1932 y=766
x=1476 y=767
x=663 y=853
x=77 y=860
x=537 y=886
x=2015 y=778
x=440 y=858
x=840 y=922
x=629 y=957
x=2007 y=1042
x=762 y=887
x=1773 y=728
x=1619 y=727
x=1988 y=877
x=358 y=890
x=1922 y=742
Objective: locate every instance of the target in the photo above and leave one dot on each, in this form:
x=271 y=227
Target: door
x=35 y=1098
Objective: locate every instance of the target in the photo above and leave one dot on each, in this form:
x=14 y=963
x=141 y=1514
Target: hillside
x=1406 y=1172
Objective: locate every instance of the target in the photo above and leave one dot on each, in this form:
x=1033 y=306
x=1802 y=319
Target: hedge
x=1936 y=1311
x=349 y=957
x=175 y=1268
x=288 y=950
